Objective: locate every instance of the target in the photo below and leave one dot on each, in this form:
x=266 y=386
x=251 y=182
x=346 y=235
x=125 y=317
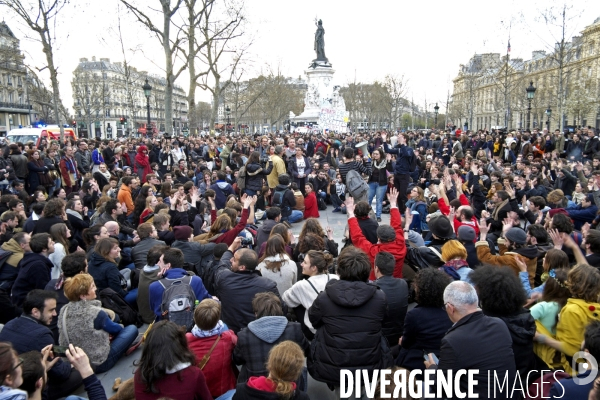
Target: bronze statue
x=320 y=43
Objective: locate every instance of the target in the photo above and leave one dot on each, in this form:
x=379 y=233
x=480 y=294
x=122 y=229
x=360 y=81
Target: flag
x=508 y=50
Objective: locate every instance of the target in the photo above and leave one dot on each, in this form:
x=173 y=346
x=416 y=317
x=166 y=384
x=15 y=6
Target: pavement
x=125 y=367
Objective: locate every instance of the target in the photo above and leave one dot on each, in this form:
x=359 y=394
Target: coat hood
x=96 y=260
x=267 y=226
x=530 y=252
x=12 y=246
x=268 y=329
x=141 y=149
x=350 y=294
x=282 y=187
x=521 y=327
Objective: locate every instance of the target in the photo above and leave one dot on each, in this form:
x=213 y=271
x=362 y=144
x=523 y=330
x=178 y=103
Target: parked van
x=35 y=135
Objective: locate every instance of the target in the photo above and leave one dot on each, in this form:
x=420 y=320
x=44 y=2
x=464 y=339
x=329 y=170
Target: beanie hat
x=516 y=235
x=182 y=233
x=466 y=233
x=386 y=233
x=441 y=227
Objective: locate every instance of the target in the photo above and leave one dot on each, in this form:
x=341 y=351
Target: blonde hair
x=78 y=286
x=285 y=365
x=207 y=314
x=453 y=249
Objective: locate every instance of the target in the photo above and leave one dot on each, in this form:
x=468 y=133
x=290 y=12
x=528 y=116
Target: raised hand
x=484 y=227
x=557 y=238
x=521 y=263
x=393 y=197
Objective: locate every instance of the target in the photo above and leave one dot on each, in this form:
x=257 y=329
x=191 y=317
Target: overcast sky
x=425 y=41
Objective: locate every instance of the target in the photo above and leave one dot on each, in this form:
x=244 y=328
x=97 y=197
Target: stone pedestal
x=320 y=93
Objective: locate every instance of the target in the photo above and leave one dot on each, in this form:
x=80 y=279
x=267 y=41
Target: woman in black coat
x=349 y=327
x=256 y=173
x=427 y=323
x=38 y=173
x=299 y=167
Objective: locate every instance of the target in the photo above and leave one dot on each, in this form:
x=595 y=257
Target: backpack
x=241 y=179
x=355 y=184
x=321 y=203
x=113 y=301
x=278 y=197
x=178 y=301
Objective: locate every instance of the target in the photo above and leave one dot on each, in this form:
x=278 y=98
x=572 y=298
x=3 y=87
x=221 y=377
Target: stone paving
x=125 y=367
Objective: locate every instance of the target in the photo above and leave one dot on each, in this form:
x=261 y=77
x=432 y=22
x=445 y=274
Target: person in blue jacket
x=584 y=212
x=402 y=167
x=171 y=263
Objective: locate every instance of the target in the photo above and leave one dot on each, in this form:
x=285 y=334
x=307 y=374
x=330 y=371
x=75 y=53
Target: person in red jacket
x=211 y=339
x=391 y=237
x=311 y=209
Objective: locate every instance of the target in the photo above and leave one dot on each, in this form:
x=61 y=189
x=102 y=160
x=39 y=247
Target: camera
x=246 y=242
x=264 y=159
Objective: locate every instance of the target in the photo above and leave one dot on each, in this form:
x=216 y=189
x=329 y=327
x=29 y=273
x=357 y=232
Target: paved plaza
x=317 y=390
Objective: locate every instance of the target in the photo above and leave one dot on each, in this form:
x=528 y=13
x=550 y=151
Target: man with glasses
x=30 y=332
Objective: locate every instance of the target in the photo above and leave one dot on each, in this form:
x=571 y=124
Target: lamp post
x=435 y=113
x=548 y=114
x=147 y=90
x=530 y=93
x=228 y=114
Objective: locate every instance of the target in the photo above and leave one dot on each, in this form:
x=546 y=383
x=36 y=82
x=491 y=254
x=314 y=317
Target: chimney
x=94 y=58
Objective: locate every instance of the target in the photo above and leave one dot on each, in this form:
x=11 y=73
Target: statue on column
x=320 y=43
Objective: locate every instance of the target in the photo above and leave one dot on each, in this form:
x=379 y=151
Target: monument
x=323 y=104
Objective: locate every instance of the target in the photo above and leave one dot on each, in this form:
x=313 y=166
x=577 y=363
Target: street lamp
x=435 y=113
x=147 y=89
x=548 y=114
x=228 y=114
x=530 y=93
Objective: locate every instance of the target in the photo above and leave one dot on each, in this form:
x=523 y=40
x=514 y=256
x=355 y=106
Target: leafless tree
x=41 y=17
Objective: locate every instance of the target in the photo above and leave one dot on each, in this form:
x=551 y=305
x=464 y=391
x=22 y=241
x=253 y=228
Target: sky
x=424 y=41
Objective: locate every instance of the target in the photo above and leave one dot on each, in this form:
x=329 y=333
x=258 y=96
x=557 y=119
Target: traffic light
x=122 y=120
x=125 y=121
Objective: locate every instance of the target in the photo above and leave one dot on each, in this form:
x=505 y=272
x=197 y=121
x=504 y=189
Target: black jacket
x=348 y=317
x=479 y=342
x=522 y=329
x=424 y=328
x=396 y=294
x=105 y=273
x=256 y=175
x=288 y=202
x=236 y=290
x=34 y=273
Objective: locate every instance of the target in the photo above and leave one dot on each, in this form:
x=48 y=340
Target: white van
x=35 y=135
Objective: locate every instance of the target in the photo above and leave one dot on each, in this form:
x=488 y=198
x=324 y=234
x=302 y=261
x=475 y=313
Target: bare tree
x=221 y=54
x=39 y=16
x=170 y=48
x=396 y=86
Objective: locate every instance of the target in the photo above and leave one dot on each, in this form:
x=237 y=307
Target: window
x=107 y=113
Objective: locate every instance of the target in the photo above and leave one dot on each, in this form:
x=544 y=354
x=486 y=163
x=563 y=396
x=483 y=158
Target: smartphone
x=59 y=351
x=426 y=357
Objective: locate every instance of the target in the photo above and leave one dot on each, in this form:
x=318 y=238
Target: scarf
x=380 y=166
x=452 y=266
x=70 y=164
x=498 y=208
x=199 y=333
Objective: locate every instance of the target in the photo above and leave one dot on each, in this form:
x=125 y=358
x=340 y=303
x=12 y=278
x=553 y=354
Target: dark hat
x=466 y=233
x=516 y=235
x=182 y=232
x=284 y=179
x=440 y=226
x=386 y=233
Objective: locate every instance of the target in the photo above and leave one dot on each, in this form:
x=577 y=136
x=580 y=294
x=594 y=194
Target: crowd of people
x=494 y=235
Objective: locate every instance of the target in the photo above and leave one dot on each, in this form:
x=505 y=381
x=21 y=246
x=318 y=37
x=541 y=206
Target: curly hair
x=311 y=225
x=311 y=241
x=499 y=289
x=429 y=287
x=54 y=208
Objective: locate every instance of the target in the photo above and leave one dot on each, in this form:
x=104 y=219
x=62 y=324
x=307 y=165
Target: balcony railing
x=15 y=106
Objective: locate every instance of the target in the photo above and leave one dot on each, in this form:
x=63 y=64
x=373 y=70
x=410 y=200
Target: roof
x=5 y=30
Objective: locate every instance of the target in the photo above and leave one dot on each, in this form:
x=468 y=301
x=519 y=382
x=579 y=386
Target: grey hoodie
x=268 y=329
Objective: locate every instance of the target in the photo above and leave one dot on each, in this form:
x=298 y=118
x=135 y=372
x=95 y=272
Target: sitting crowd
x=496 y=240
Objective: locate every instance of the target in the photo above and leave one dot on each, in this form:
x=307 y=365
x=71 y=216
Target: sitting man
x=31 y=332
x=34 y=268
x=171 y=264
x=270 y=328
x=512 y=244
x=475 y=341
x=236 y=287
x=148 y=239
x=389 y=239
x=193 y=252
x=283 y=197
x=148 y=275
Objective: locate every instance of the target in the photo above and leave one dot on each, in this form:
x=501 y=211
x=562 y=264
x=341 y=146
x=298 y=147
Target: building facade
x=15 y=110
x=106 y=94
x=490 y=90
